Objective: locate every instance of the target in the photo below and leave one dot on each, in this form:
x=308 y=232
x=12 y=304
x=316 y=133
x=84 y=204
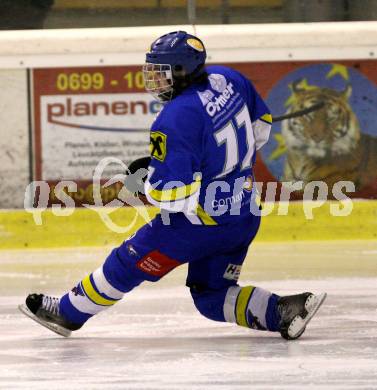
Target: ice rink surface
x=155 y=339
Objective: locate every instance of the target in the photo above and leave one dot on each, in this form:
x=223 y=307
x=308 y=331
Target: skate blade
x=312 y=304
x=54 y=327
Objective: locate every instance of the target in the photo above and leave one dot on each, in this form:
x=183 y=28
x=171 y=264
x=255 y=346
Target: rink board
x=86 y=228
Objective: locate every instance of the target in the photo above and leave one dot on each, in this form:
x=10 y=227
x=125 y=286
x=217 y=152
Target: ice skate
x=296 y=311
x=45 y=310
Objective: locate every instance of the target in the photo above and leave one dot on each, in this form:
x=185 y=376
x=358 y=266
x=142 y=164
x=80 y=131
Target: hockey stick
x=305 y=111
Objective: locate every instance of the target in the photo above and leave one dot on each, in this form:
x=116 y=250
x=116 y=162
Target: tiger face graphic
x=327 y=143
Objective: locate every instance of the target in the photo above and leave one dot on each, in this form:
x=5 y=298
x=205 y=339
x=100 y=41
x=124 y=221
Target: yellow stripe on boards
x=241 y=305
x=82 y=228
x=204 y=217
x=175 y=193
x=85 y=228
x=93 y=295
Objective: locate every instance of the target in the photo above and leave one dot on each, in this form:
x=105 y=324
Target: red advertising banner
x=324 y=129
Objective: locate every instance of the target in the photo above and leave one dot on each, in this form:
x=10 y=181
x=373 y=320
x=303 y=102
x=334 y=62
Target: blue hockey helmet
x=175 y=61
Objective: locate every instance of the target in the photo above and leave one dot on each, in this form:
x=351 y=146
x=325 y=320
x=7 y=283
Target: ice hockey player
x=203 y=147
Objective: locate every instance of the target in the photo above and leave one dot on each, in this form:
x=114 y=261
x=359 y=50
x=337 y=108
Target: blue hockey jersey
x=203 y=147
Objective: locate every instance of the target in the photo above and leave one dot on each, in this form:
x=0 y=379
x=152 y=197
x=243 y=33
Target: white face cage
x=158 y=81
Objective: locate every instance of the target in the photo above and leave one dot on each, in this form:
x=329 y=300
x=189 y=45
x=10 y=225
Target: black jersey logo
x=158 y=145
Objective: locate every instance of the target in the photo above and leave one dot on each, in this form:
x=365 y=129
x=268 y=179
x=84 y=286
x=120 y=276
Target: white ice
x=155 y=339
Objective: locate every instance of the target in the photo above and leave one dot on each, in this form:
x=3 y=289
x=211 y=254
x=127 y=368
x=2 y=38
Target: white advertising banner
x=82 y=115
x=77 y=131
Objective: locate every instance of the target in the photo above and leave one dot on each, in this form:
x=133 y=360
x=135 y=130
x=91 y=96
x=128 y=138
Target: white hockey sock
x=247 y=306
x=94 y=293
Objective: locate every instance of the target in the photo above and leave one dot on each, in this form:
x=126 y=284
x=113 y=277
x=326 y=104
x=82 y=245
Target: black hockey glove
x=138 y=171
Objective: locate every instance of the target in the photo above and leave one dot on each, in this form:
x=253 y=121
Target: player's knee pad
x=209 y=303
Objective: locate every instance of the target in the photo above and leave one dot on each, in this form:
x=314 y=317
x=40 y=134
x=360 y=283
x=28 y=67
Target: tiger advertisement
x=324 y=124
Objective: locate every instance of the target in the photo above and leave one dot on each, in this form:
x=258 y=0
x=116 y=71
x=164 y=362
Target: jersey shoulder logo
x=157 y=145
x=217 y=81
x=212 y=102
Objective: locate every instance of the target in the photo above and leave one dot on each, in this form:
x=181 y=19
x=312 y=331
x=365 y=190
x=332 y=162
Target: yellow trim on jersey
x=204 y=217
x=267 y=118
x=241 y=305
x=93 y=295
x=175 y=193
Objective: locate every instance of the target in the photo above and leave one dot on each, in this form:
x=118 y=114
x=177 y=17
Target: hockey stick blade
x=54 y=327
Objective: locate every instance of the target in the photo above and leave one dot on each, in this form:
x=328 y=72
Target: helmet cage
x=158 y=81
